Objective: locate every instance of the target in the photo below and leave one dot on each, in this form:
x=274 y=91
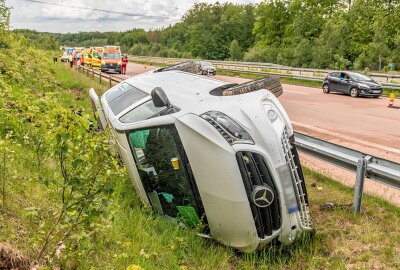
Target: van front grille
x=254 y=171
x=292 y=158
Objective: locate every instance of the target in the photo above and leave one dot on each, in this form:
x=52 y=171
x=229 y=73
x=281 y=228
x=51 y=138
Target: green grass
x=129 y=234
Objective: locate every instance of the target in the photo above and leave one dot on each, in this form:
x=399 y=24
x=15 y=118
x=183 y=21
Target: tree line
x=336 y=34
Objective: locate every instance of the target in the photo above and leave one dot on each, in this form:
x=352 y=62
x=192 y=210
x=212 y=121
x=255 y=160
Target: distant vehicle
x=91 y=58
x=100 y=50
x=352 y=83
x=65 y=57
x=111 y=61
x=112 y=47
x=207 y=69
x=211 y=155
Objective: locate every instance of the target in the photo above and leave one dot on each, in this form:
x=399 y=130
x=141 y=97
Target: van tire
x=271 y=83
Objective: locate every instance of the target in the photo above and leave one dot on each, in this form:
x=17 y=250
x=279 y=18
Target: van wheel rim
x=354 y=92
x=326 y=89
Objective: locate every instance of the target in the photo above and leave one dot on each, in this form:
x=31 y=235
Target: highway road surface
x=364 y=124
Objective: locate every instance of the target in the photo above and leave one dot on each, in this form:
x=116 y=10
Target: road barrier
x=364 y=165
x=389 y=81
x=110 y=78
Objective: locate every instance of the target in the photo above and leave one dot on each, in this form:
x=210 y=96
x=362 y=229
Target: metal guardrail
x=364 y=165
x=271 y=69
x=98 y=74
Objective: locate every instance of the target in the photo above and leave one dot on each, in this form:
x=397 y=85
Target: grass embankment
x=122 y=231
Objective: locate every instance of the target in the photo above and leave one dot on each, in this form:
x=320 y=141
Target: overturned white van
x=201 y=151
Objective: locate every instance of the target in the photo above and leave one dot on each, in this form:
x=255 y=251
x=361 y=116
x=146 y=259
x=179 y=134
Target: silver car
x=207 y=69
x=210 y=155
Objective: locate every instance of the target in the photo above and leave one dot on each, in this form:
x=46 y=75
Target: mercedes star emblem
x=262 y=196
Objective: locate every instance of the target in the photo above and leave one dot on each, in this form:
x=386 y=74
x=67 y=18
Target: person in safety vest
x=124 y=64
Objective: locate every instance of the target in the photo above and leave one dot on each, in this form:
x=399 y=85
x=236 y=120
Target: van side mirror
x=159 y=97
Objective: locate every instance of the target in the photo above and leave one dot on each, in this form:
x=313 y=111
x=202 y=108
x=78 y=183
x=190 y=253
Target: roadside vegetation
x=335 y=34
x=65 y=201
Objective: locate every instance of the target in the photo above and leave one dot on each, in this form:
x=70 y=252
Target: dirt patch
x=78 y=93
x=11 y=258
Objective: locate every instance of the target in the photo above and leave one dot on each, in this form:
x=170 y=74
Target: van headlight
x=228 y=128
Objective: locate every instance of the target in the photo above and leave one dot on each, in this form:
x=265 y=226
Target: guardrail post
x=100 y=76
x=360 y=179
x=110 y=80
x=93 y=72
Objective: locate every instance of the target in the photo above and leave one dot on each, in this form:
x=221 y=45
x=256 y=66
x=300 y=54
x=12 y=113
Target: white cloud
x=71 y=18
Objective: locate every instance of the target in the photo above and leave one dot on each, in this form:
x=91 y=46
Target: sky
x=63 y=16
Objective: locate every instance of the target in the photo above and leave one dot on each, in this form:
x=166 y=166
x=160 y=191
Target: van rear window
x=122 y=96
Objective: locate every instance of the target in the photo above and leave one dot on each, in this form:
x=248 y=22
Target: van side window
x=142 y=112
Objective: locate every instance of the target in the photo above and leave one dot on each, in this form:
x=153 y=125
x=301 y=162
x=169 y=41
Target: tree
x=4 y=15
x=378 y=50
x=234 y=51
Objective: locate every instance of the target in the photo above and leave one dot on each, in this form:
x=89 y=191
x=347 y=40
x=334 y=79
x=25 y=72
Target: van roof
x=183 y=89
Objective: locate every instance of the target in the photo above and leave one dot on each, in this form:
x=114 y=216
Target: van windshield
x=111 y=55
x=162 y=165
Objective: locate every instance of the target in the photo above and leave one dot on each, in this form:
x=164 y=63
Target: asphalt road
x=364 y=124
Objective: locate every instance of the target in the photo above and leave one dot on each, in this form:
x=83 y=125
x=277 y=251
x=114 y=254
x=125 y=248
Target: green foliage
x=206 y=31
x=4 y=23
x=38 y=40
x=4 y=15
x=234 y=51
x=334 y=34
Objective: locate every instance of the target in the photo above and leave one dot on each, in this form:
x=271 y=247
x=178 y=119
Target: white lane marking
x=341 y=136
x=295 y=92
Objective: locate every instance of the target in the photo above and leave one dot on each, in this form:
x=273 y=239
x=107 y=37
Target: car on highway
x=210 y=155
x=207 y=69
x=352 y=83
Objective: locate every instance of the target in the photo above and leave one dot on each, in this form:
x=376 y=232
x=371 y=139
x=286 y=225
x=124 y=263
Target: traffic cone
x=391 y=100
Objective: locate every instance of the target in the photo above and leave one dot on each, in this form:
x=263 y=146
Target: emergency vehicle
x=111 y=61
x=91 y=58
